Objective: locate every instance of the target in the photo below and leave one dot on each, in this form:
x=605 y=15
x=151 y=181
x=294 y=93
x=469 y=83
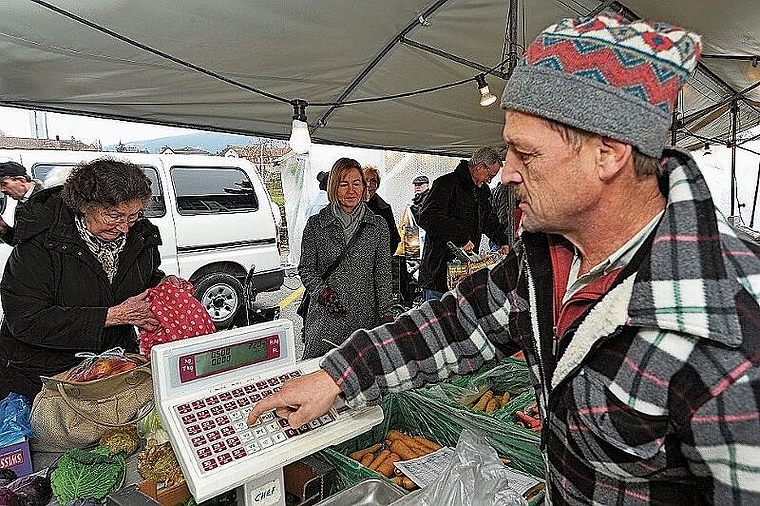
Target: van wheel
x=222 y=295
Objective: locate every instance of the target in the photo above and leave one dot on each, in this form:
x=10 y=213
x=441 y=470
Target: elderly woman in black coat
x=358 y=293
x=379 y=206
x=78 y=278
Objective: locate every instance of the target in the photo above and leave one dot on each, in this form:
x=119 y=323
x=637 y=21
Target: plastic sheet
x=14 y=419
x=474 y=476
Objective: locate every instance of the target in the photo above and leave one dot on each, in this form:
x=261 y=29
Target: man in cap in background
x=458 y=209
x=16 y=184
x=412 y=236
x=635 y=302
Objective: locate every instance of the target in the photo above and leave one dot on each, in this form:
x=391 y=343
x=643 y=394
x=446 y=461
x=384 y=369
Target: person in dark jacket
x=78 y=277
x=458 y=209
x=16 y=184
x=379 y=206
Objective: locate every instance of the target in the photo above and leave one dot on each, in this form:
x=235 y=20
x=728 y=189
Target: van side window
x=213 y=190
x=3 y=202
x=55 y=174
x=157 y=206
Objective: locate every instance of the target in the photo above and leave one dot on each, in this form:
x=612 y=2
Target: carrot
x=432 y=445
x=529 y=420
x=387 y=467
x=481 y=404
x=506 y=461
x=402 y=449
x=367 y=459
x=492 y=406
x=357 y=455
x=408 y=484
x=398 y=480
x=395 y=434
x=504 y=398
x=379 y=460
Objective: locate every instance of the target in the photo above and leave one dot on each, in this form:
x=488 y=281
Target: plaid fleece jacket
x=655 y=398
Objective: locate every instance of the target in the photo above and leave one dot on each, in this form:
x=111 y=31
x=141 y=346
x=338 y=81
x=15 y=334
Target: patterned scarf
x=107 y=253
x=349 y=222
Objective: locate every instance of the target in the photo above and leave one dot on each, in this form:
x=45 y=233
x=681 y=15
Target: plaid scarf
x=107 y=252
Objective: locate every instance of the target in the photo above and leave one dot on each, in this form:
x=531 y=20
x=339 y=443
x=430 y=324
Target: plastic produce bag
x=474 y=476
x=98 y=366
x=14 y=419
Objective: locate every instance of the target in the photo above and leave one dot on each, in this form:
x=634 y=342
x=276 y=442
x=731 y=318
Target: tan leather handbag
x=68 y=414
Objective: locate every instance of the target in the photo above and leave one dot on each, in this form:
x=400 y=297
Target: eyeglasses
x=114 y=219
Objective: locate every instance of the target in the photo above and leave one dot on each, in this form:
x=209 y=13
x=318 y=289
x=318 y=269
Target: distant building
x=187 y=150
x=129 y=148
x=26 y=143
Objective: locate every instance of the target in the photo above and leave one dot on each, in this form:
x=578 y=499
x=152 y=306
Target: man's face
x=485 y=173
x=15 y=187
x=420 y=187
x=556 y=185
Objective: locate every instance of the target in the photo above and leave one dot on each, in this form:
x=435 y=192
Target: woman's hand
x=133 y=311
x=178 y=282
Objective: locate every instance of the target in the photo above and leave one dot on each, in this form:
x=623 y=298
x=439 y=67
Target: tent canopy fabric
x=236 y=66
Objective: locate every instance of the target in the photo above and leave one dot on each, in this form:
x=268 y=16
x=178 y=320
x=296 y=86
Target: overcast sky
x=16 y=123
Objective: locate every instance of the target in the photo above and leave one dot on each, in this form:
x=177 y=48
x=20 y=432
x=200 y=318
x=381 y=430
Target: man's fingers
x=264 y=405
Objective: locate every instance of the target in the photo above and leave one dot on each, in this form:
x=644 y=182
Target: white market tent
x=236 y=65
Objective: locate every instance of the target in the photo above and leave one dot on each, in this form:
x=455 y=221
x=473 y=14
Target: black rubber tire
x=222 y=296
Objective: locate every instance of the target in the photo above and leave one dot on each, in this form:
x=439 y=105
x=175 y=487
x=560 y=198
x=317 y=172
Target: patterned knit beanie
x=606 y=76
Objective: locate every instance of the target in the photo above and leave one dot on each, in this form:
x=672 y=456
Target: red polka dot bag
x=180 y=315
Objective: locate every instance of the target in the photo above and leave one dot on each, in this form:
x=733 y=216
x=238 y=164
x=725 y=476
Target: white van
x=214 y=213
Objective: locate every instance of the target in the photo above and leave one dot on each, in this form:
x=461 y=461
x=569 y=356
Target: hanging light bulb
x=707 y=150
x=300 y=140
x=486 y=97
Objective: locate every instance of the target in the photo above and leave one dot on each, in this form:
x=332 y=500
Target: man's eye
x=525 y=158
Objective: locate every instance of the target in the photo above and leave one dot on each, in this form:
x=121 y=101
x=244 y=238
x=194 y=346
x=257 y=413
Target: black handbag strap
x=342 y=255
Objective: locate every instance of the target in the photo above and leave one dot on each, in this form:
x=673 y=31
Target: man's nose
x=508 y=172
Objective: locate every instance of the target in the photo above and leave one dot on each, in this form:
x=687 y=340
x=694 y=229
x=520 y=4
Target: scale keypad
x=217 y=429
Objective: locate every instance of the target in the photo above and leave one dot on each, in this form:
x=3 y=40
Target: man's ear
x=613 y=156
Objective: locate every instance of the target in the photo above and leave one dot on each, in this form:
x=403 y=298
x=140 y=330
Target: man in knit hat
x=634 y=301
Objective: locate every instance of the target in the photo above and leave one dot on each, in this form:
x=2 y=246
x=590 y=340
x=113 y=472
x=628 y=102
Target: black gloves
x=330 y=300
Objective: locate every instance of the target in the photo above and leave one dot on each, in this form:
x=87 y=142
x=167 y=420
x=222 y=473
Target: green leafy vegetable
x=83 y=473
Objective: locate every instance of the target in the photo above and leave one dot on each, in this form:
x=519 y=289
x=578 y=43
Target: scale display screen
x=226 y=358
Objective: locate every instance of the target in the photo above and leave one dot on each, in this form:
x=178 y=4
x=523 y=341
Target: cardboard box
x=310 y=480
x=17 y=457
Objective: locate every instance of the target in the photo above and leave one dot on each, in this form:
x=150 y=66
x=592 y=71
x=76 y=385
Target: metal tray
x=369 y=492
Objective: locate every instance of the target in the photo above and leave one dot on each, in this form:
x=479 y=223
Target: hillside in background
x=209 y=141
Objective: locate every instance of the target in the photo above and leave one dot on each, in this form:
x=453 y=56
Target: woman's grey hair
x=105 y=183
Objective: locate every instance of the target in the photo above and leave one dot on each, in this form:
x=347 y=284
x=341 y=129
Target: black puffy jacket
x=458 y=211
x=56 y=295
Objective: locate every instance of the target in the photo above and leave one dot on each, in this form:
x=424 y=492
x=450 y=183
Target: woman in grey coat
x=358 y=292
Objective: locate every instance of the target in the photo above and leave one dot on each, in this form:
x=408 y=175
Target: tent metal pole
x=674 y=123
x=734 y=127
x=754 y=200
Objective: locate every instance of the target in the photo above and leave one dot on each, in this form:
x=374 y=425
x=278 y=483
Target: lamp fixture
x=300 y=140
x=486 y=97
x=707 y=150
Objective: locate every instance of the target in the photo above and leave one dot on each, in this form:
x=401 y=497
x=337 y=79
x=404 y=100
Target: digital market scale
x=205 y=387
